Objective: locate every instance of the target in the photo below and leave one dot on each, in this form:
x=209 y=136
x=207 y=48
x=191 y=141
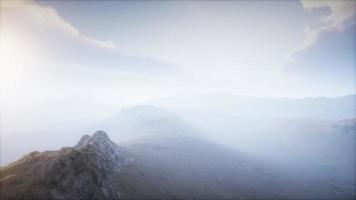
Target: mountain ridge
x=79 y=172
x=180 y=167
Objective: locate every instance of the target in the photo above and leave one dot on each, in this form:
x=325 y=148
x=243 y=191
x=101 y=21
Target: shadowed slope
x=79 y=172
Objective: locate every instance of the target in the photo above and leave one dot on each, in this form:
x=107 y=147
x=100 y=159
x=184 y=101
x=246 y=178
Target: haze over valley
x=177 y=99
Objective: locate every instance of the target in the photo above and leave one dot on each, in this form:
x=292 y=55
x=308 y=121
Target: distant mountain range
x=239 y=106
x=144 y=120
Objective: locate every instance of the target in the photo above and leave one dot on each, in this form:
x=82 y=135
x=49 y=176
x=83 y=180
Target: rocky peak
x=99 y=134
x=79 y=172
x=101 y=149
x=99 y=140
x=82 y=140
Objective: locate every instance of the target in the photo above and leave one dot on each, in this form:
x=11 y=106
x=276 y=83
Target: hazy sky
x=71 y=55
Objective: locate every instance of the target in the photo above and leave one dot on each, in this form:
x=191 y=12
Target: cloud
x=48 y=17
x=51 y=38
x=336 y=19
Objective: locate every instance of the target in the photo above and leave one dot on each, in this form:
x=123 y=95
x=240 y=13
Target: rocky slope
x=79 y=172
x=174 y=167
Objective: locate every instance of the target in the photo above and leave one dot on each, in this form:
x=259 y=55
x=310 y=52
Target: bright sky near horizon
x=126 y=52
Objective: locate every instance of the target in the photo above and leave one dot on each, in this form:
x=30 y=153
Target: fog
x=269 y=83
x=284 y=135
x=301 y=133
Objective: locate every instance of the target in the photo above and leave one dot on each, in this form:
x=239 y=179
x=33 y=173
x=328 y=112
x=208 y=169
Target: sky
x=88 y=56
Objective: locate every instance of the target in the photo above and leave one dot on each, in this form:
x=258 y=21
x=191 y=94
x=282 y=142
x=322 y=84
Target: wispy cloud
x=339 y=15
x=48 y=17
x=62 y=42
x=236 y=46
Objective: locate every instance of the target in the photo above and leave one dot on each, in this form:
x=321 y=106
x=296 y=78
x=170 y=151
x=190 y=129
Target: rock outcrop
x=79 y=172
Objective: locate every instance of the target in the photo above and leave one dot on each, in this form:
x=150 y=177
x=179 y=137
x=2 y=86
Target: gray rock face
x=79 y=172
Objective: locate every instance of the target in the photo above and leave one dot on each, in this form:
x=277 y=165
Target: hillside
x=178 y=167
